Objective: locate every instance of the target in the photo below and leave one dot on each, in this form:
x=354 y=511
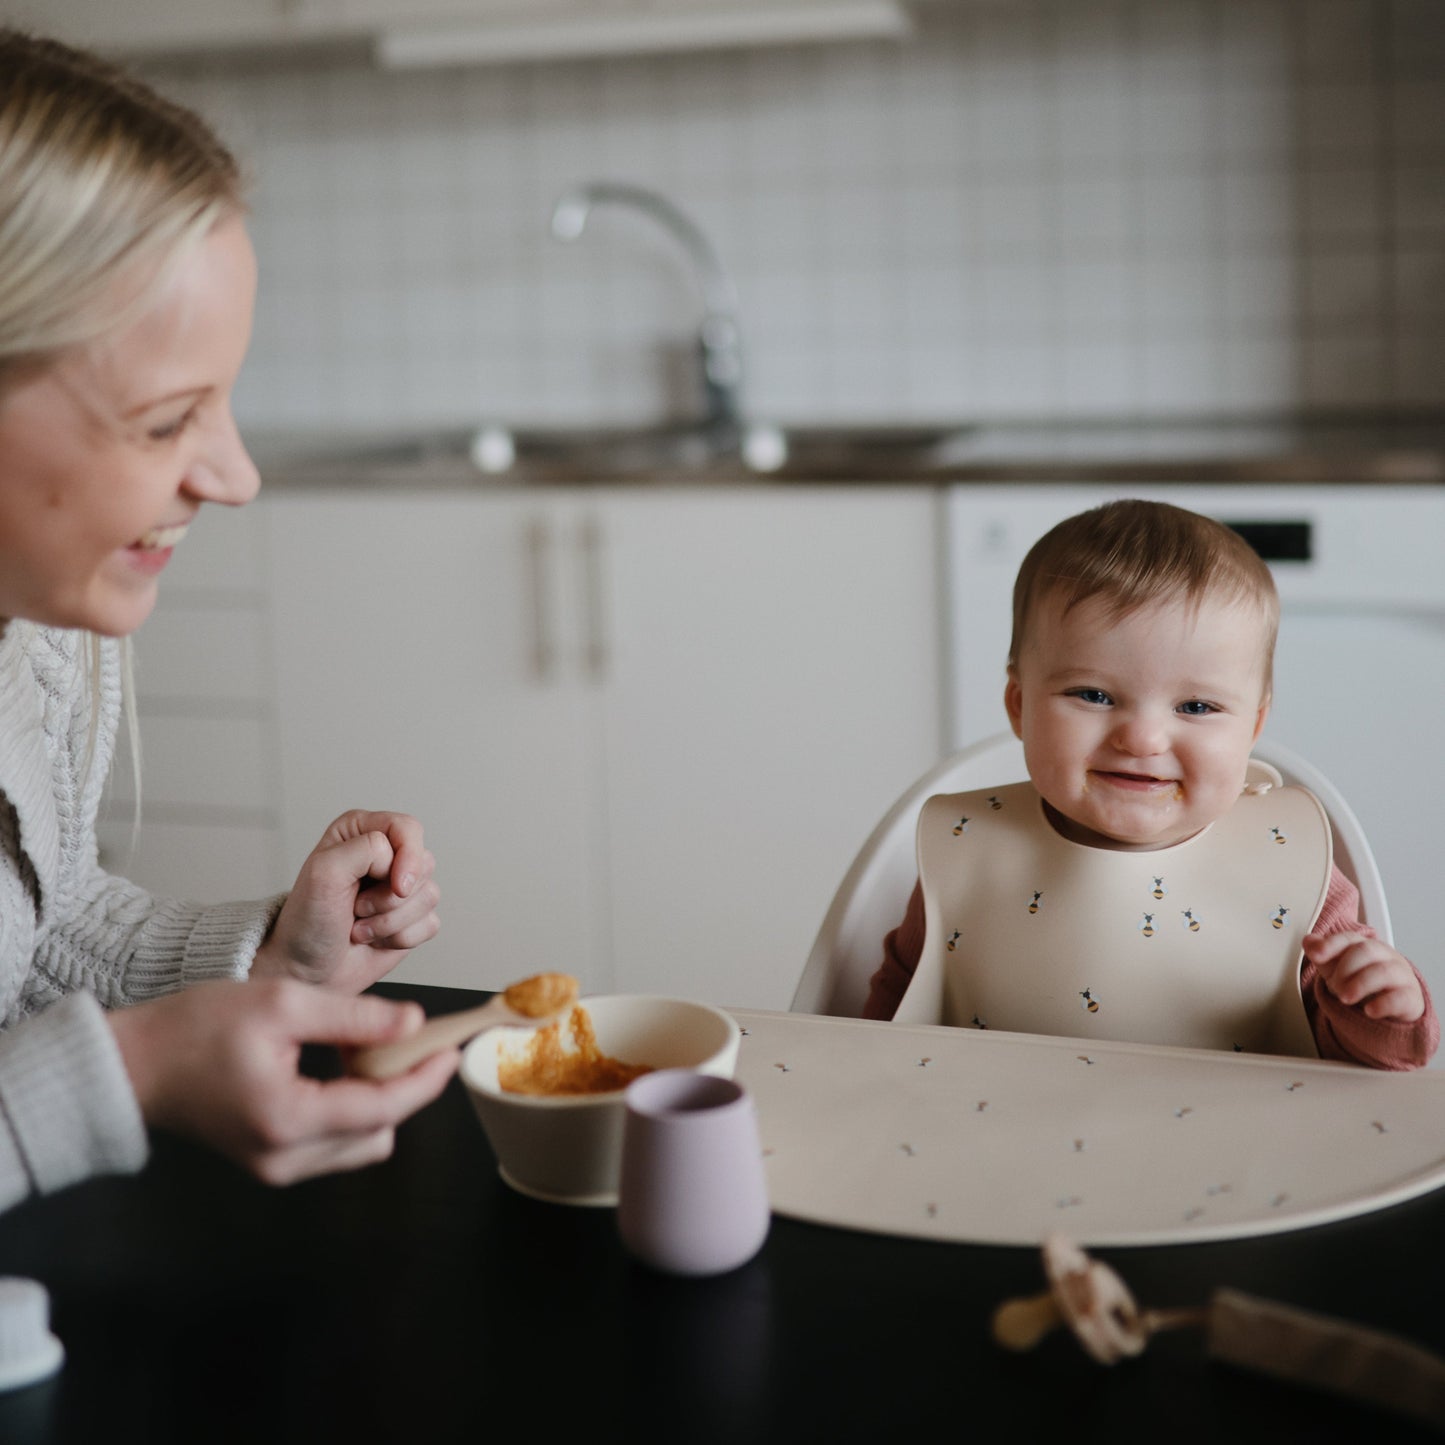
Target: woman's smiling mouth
x=160 y=539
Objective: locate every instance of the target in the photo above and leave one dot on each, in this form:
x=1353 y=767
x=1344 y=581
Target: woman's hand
x=219 y=1062
x=364 y=896
x=1367 y=974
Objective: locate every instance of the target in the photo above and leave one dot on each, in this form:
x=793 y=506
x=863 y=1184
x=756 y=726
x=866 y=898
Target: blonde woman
x=126 y=290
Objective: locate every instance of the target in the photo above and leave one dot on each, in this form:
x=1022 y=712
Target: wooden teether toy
x=1272 y=1339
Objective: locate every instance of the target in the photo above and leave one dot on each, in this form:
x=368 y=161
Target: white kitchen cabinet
x=210 y=825
x=419 y=668
x=447 y=31
x=452 y=12
x=646 y=729
x=772 y=685
x=144 y=26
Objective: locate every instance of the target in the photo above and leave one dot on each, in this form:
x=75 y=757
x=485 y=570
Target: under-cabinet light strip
x=655 y=32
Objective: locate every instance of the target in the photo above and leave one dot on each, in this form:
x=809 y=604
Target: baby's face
x=1137 y=731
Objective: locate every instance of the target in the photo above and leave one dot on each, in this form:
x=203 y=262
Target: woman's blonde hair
x=1133 y=553
x=104 y=187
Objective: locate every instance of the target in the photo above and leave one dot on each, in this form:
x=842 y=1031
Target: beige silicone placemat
x=998 y=1138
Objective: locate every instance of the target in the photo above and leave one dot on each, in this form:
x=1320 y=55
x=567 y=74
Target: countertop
x=1338 y=449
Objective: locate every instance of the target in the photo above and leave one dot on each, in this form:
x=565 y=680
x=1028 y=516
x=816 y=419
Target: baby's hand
x=1367 y=974
x=363 y=897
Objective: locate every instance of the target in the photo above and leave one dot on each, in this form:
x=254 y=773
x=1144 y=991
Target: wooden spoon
x=527 y=1004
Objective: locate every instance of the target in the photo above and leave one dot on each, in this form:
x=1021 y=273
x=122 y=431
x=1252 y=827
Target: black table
x=423 y=1301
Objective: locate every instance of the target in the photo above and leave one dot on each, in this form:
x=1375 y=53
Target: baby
x=1139 y=678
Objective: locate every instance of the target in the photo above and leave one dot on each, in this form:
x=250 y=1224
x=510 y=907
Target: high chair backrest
x=874 y=893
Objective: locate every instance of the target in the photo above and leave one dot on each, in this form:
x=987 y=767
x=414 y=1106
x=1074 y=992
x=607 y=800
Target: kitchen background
x=1037 y=208
x=648 y=726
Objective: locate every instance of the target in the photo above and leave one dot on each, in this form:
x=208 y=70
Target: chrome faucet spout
x=719 y=335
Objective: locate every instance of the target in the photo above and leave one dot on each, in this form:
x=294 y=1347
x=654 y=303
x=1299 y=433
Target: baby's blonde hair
x=104 y=187
x=1133 y=553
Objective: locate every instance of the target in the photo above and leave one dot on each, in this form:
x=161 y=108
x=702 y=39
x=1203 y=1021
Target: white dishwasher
x=1359 y=670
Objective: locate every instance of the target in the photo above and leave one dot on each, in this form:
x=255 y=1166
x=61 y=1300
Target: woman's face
x=107 y=455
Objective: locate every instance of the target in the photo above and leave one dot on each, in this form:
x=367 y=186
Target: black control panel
x=1283 y=541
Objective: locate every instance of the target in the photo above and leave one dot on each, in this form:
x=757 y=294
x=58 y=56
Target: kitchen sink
x=658 y=453
x=1090 y=450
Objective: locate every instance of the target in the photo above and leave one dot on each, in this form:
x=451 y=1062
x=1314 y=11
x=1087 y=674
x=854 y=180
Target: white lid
x=29 y=1351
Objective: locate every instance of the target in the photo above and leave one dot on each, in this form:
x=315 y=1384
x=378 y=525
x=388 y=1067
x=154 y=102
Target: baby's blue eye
x=1196 y=707
x=1094 y=695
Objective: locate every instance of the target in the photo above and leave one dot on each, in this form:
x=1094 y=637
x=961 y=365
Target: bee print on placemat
x=1146 y=925
x=1090 y=1002
x=960 y=826
x=1277 y=919
x=953 y=940
x=1279 y=835
x=1190 y=921
x=995 y=802
x=1034 y=901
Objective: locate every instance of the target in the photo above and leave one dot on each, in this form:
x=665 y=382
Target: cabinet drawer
x=200 y=764
x=181 y=860
x=202 y=652
x=224 y=550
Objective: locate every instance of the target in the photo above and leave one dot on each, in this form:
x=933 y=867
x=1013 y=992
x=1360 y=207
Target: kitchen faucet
x=719 y=338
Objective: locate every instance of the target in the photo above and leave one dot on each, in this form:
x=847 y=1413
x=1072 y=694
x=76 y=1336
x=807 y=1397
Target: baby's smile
x=1143 y=782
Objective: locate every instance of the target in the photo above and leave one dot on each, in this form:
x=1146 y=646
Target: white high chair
x=874 y=893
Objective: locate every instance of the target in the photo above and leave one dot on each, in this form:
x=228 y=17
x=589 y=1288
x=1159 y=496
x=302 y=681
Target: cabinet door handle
x=595 y=658
x=540 y=647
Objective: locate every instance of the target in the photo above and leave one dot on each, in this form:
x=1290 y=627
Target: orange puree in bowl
x=544 y=1067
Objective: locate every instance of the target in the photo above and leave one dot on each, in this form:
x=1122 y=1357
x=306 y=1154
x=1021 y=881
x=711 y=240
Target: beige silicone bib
x=1197 y=945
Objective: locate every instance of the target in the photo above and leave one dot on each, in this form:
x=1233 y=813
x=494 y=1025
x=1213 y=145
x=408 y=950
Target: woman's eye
x=1095 y=695
x=1196 y=707
x=167 y=431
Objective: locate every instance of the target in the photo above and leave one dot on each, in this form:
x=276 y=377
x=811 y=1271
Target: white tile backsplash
x=1046 y=207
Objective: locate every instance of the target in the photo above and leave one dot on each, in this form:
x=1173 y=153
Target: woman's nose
x=222 y=471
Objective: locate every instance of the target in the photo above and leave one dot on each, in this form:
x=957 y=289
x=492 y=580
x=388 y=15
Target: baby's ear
x=1259 y=721
x=1013 y=701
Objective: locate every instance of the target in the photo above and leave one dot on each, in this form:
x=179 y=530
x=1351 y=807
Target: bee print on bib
x=1279 y=835
x=953 y=941
x=995 y=802
x=1090 y=1002
x=1158 y=890
x=1146 y=925
x=959 y=827
x=1279 y=916
x=1034 y=901
x=1190 y=921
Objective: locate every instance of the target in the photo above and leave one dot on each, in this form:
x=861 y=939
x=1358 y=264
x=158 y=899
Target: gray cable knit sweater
x=73 y=939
